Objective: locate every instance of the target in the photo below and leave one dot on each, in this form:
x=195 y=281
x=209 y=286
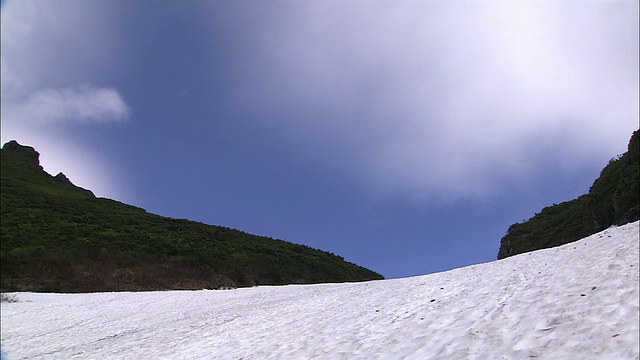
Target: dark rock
x=61 y=179
x=30 y=156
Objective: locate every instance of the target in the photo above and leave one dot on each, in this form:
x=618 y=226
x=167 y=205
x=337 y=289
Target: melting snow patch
x=575 y=301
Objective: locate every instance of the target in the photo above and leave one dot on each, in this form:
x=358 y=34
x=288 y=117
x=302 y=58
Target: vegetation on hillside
x=612 y=200
x=57 y=237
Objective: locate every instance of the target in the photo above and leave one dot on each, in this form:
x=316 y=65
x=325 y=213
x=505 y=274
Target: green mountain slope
x=61 y=238
x=612 y=200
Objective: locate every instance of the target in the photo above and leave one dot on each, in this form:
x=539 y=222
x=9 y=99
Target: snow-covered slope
x=578 y=301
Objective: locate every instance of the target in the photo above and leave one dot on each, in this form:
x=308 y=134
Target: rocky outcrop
x=27 y=157
x=61 y=179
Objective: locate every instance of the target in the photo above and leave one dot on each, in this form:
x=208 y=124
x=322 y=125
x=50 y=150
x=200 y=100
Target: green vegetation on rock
x=612 y=200
x=58 y=237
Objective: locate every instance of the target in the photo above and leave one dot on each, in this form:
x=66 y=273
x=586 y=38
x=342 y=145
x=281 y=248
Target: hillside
x=57 y=237
x=578 y=301
x=613 y=199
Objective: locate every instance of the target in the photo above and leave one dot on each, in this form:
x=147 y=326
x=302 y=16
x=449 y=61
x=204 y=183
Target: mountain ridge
x=613 y=199
x=59 y=237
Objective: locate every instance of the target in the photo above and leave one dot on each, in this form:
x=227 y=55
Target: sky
x=370 y=129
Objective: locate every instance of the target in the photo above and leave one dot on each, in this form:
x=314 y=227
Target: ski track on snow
x=579 y=300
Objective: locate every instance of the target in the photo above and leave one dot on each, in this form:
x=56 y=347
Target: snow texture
x=577 y=301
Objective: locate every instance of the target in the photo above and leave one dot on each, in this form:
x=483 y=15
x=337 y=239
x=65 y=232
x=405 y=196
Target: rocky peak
x=28 y=158
x=28 y=153
x=61 y=179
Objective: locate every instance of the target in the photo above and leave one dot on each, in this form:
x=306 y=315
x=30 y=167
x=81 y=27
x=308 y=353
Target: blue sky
x=404 y=136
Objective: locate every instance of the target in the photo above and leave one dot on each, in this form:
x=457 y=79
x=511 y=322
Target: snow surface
x=577 y=301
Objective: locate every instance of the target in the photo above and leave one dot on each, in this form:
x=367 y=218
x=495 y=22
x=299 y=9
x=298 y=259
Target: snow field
x=577 y=301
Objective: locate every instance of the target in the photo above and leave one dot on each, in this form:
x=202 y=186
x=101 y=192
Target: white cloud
x=437 y=98
x=8 y=77
x=51 y=51
x=80 y=104
x=55 y=44
x=53 y=54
